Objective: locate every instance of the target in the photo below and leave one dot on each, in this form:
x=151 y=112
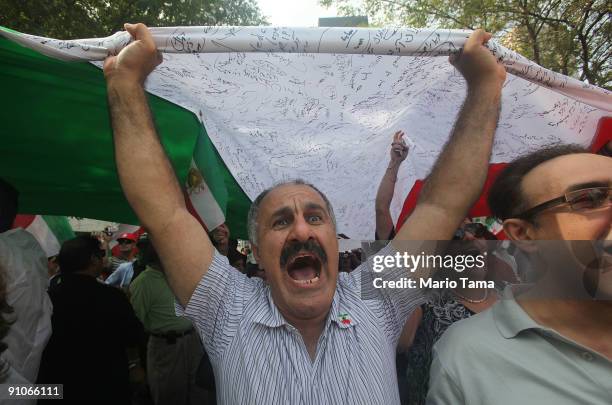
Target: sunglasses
x=124 y=241
x=476 y=229
x=578 y=200
x=459 y=234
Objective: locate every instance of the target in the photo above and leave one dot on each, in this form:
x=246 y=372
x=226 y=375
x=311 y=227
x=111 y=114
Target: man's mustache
x=310 y=246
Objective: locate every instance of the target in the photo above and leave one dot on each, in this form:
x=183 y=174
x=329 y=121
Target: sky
x=294 y=13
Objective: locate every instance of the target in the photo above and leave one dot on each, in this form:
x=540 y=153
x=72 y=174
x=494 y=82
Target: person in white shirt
x=25 y=274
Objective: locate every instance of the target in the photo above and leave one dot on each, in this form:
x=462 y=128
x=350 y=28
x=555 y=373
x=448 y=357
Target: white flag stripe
x=202 y=199
x=44 y=235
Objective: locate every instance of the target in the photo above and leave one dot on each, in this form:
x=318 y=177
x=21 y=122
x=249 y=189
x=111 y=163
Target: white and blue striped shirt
x=259 y=358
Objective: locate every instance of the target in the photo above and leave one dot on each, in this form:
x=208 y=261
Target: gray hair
x=252 y=223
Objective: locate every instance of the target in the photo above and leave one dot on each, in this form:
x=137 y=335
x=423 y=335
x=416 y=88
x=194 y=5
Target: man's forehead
x=289 y=195
x=564 y=173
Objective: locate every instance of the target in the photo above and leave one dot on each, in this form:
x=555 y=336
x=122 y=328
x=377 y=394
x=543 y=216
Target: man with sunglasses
x=126 y=252
x=553 y=343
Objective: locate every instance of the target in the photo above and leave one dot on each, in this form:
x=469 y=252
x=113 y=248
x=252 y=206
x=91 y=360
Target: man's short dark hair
x=506 y=197
x=76 y=254
x=8 y=205
x=252 y=224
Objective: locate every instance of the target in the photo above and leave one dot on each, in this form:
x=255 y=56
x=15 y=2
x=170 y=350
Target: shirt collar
x=266 y=312
x=510 y=318
x=154 y=271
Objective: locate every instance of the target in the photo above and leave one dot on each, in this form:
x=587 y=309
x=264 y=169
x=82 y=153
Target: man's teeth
x=312 y=280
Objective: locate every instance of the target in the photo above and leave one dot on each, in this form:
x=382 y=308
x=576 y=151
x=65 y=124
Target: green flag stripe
x=60 y=227
x=56 y=139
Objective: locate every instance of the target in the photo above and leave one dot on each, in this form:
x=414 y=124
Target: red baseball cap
x=128 y=236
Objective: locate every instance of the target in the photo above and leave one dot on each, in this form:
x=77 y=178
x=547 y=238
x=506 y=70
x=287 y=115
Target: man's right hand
x=146 y=175
x=134 y=63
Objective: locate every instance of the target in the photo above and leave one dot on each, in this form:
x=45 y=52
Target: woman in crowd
x=447 y=306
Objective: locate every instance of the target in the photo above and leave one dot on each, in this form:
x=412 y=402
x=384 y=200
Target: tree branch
x=539 y=16
x=433 y=10
x=597 y=19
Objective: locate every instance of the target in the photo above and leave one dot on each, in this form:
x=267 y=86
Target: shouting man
x=304 y=335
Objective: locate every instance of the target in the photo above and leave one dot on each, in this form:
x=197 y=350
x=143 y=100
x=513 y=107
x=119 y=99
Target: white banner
x=354 y=41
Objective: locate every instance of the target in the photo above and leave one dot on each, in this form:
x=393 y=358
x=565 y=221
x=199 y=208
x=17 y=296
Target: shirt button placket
x=587 y=356
x=296 y=357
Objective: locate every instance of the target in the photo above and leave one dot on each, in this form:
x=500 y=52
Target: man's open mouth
x=304 y=268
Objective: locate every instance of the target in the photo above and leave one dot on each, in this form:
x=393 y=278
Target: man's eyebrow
x=314 y=206
x=283 y=211
x=591 y=184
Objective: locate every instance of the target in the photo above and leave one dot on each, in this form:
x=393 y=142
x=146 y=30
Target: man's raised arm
x=386 y=188
x=145 y=173
x=460 y=171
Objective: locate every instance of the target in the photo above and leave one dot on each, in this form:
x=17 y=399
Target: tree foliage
x=69 y=19
x=568 y=36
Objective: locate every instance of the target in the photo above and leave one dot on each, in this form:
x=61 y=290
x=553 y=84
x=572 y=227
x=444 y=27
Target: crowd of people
x=186 y=316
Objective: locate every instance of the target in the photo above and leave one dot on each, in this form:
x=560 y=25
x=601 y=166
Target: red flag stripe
x=23 y=221
x=603 y=134
x=481 y=208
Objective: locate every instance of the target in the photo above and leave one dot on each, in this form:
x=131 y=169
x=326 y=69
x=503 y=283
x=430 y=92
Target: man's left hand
x=477 y=64
x=399 y=149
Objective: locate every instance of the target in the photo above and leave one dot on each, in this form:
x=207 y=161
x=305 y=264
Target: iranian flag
x=57 y=147
x=241 y=108
x=50 y=231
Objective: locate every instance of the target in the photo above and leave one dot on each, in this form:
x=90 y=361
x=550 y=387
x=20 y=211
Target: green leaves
x=567 y=36
x=71 y=19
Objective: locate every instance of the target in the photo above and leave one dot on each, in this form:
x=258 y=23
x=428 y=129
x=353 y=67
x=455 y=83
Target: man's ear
x=255 y=253
x=520 y=232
